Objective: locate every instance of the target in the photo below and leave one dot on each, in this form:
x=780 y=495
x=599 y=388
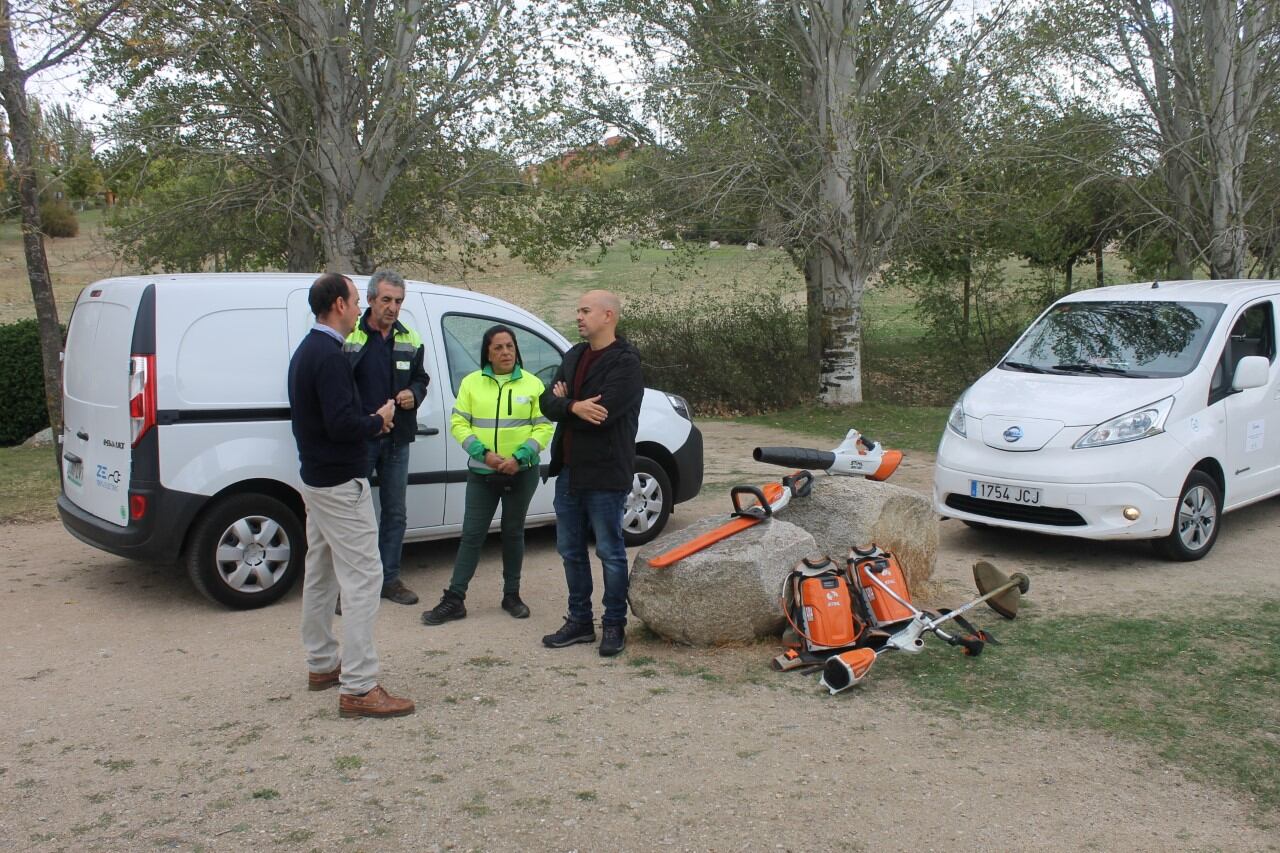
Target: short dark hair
x=488 y=339
x=326 y=290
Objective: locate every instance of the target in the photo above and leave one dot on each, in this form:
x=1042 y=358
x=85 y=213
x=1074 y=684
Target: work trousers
x=342 y=556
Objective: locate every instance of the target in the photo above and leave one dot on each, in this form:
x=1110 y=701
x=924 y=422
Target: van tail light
x=137 y=507
x=142 y=396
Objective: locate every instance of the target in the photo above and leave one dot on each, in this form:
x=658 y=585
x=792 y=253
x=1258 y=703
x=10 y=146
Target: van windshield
x=1134 y=339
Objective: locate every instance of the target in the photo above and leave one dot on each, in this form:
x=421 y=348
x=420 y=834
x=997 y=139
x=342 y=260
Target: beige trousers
x=342 y=555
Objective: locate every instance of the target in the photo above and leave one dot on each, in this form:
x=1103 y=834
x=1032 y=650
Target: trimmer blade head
x=988 y=579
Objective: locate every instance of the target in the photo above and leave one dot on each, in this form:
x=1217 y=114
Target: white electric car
x=177 y=441
x=1140 y=411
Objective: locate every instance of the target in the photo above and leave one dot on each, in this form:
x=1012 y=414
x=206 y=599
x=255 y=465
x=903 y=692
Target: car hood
x=1083 y=400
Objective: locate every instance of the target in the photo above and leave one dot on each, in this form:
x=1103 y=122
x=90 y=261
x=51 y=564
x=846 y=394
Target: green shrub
x=58 y=219
x=738 y=357
x=21 y=383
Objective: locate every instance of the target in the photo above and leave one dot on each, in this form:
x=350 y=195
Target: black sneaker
x=449 y=608
x=513 y=605
x=399 y=593
x=613 y=641
x=570 y=632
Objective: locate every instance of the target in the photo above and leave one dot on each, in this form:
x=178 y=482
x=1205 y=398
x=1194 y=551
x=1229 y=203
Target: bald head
x=598 y=312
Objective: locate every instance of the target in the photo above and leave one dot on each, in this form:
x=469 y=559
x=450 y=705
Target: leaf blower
x=856 y=456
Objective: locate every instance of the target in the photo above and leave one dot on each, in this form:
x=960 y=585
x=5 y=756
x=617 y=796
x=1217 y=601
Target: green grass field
x=1198 y=689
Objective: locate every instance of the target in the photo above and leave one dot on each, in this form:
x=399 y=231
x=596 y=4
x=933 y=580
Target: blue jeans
x=390 y=462
x=597 y=511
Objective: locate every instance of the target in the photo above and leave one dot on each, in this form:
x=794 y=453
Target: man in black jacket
x=332 y=428
x=386 y=357
x=595 y=401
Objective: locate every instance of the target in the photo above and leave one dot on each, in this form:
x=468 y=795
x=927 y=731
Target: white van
x=1141 y=411
x=177 y=441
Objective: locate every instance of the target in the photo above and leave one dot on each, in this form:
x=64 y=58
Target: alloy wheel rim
x=1197 y=516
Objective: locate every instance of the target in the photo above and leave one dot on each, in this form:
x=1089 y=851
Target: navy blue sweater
x=329 y=421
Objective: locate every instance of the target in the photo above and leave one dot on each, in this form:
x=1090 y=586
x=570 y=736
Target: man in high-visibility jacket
x=498 y=420
x=387 y=359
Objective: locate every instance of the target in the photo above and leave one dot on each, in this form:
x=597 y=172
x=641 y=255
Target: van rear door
x=97 y=365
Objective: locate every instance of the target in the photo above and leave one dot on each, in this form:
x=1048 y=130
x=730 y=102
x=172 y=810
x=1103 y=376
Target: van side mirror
x=1253 y=371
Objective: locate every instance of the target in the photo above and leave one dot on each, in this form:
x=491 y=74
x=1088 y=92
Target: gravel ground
x=144 y=717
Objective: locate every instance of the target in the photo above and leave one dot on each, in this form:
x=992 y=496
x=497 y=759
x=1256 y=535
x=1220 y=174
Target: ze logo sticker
x=107 y=479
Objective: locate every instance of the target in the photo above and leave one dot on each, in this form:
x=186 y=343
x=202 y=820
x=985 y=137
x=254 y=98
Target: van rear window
x=100 y=335
x=1135 y=339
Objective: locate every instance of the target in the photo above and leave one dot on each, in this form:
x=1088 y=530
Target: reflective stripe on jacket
x=502 y=416
x=407 y=356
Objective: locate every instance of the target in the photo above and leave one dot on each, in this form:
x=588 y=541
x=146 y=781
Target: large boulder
x=845 y=511
x=725 y=593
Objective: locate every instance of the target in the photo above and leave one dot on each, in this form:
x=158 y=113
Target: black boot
x=449 y=608
x=512 y=604
x=570 y=632
x=614 y=640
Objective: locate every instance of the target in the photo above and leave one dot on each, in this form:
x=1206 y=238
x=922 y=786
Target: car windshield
x=1134 y=339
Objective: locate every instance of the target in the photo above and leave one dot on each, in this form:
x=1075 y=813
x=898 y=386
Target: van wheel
x=649 y=504
x=246 y=551
x=1196 y=527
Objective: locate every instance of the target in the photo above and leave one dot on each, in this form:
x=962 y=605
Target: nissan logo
x=1012 y=434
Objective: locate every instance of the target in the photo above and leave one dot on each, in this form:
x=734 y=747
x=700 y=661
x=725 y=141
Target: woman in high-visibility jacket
x=497 y=420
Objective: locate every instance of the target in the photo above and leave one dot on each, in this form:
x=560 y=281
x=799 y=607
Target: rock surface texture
x=726 y=593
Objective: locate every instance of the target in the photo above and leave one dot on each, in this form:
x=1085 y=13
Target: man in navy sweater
x=332 y=429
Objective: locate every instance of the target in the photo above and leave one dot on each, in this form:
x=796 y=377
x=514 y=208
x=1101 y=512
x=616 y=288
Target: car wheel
x=649 y=504
x=1196 y=526
x=246 y=551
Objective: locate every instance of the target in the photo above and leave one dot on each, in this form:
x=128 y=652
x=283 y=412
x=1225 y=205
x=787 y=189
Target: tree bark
x=13 y=82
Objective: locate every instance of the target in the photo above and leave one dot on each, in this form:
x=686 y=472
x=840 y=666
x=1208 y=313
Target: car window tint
x=464 y=332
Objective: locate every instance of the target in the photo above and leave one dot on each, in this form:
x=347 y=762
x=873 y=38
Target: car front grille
x=1016 y=512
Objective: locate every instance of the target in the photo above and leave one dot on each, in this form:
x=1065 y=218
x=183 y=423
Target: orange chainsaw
x=751 y=505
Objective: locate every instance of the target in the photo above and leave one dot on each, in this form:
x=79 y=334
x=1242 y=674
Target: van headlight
x=681 y=405
x=1131 y=426
x=955 y=420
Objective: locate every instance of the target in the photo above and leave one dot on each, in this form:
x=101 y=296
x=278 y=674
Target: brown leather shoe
x=376 y=703
x=324 y=680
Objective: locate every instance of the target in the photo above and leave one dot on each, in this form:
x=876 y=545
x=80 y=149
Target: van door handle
x=82 y=435
x=426 y=430
x=72 y=458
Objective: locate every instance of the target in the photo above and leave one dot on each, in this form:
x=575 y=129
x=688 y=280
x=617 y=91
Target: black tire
x=246 y=551
x=649 y=504
x=1195 y=528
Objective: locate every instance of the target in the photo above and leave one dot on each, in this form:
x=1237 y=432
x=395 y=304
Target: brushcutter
x=751 y=505
x=1002 y=594
x=856 y=456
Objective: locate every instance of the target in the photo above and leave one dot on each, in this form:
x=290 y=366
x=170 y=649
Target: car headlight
x=681 y=405
x=1131 y=426
x=955 y=420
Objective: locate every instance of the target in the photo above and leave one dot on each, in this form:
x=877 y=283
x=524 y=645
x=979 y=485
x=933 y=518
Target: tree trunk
x=1097 y=264
x=813 y=306
x=1070 y=275
x=968 y=295
x=13 y=90
x=840 y=371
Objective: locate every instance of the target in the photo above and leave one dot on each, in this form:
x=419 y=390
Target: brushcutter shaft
x=1018 y=580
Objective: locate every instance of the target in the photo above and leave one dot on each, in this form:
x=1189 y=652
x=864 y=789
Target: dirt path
x=142 y=717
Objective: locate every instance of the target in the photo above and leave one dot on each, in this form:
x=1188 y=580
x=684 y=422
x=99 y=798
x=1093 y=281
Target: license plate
x=1001 y=492
x=75 y=473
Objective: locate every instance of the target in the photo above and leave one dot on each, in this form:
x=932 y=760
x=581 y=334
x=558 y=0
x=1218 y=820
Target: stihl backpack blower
x=823 y=611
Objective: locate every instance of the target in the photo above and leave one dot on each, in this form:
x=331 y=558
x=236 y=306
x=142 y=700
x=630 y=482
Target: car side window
x=464 y=332
x=1254 y=333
